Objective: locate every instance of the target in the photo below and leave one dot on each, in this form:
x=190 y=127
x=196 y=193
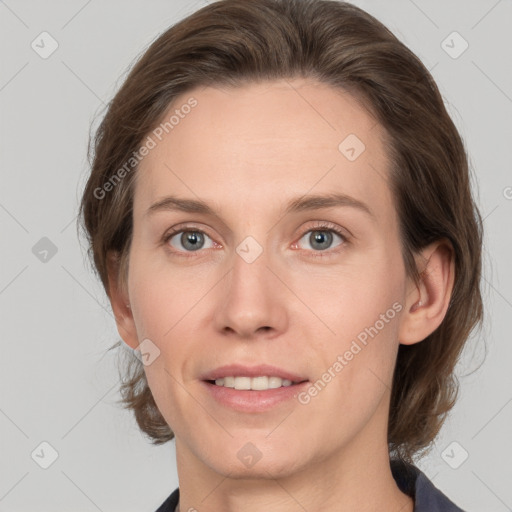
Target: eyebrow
x=299 y=204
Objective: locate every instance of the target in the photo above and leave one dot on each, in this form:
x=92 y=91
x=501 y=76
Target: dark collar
x=413 y=482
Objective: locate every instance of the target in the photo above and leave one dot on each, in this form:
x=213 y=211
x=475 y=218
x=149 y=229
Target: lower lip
x=251 y=400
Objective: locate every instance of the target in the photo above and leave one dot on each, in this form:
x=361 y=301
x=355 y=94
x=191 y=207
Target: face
x=267 y=275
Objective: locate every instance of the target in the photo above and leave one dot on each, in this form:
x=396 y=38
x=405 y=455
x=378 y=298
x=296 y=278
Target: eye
x=321 y=238
x=189 y=240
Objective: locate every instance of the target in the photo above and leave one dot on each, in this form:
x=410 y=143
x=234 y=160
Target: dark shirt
x=410 y=480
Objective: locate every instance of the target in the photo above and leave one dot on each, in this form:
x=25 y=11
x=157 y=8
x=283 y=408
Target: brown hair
x=230 y=42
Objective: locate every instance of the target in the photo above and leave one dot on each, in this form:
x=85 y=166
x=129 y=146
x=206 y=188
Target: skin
x=247 y=151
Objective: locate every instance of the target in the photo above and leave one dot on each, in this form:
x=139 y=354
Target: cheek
x=360 y=305
x=160 y=296
x=351 y=298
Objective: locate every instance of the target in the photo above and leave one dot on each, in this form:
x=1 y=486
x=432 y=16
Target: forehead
x=271 y=141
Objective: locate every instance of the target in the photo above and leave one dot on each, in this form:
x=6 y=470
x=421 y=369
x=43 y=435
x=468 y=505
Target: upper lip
x=237 y=370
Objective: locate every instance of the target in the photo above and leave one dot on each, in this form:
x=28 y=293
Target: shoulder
x=427 y=497
x=171 y=502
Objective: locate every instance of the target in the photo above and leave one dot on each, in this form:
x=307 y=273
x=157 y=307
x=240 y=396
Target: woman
x=280 y=212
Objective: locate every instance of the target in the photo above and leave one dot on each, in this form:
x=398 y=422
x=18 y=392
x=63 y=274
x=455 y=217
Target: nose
x=252 y=300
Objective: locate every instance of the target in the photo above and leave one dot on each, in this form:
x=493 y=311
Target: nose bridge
x=250 y=263
x=250 y=301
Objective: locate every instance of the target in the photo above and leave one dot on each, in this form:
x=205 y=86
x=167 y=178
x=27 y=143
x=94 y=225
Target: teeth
x=254 y=383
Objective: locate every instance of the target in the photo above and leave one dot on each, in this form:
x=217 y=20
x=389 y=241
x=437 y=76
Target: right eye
x=191 y=240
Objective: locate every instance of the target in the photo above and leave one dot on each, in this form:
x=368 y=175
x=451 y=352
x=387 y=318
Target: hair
x=234 y=42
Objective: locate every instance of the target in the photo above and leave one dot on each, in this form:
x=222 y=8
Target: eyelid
x=320 y=225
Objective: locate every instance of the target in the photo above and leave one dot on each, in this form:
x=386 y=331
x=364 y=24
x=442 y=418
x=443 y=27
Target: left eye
x=189 y=240
x=321 y=239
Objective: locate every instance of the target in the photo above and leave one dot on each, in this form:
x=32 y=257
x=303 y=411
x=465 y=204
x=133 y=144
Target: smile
x=259 y=383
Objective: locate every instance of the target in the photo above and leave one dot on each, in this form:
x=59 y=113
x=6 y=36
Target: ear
x=426 y=304
x=119 y=300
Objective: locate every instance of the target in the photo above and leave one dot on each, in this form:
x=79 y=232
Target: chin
x=250 y=459
x=260 y=471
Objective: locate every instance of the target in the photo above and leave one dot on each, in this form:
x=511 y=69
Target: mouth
x=258 y=378
x=252 y=389
x=258 y=383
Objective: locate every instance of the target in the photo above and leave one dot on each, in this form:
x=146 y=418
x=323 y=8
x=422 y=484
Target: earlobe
x=426 y=304
x=120 y=304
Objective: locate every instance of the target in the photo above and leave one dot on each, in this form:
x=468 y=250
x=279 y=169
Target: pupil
x=323 y=238
x=191 y=240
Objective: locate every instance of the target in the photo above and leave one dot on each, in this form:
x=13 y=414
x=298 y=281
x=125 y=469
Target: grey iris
x=192 y=240
x=323 y=238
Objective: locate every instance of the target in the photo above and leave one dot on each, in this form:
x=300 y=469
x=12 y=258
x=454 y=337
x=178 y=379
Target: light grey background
x=56 y=383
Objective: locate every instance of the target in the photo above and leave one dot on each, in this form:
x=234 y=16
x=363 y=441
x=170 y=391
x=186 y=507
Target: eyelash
x=319 y=226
